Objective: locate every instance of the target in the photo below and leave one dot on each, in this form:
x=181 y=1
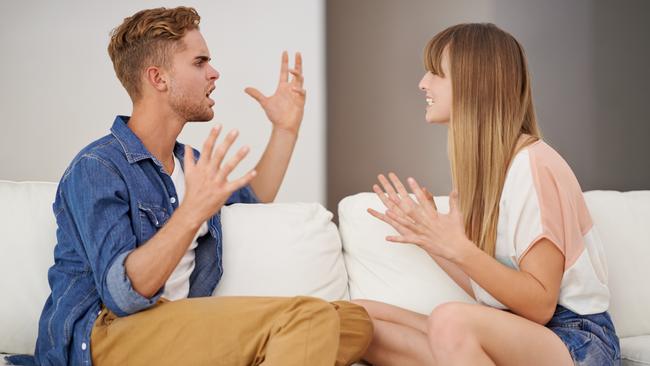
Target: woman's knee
x=449 y=327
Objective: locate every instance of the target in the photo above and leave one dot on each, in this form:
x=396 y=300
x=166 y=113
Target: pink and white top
x=542 y=198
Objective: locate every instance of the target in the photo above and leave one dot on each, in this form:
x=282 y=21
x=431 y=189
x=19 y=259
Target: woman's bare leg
x=399 y=336
x=398 y=345
x=470 y=334
x=394 y=314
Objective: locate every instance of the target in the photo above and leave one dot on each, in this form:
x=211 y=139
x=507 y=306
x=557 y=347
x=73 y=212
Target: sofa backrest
x=406 y=276
x=623 y=222
x=27 y=239
x=280 y=249
x=398 y=274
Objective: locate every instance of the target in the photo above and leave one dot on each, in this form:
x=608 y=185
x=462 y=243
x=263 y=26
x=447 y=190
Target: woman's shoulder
x=540 y=168
x=548 y=166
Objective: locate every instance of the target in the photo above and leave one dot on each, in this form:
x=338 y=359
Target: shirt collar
x=133 y=147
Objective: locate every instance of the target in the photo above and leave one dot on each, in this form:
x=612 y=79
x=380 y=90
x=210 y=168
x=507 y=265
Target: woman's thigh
x=508 y=339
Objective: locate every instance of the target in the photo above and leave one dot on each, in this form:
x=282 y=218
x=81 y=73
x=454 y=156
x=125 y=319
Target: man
x=139 y=238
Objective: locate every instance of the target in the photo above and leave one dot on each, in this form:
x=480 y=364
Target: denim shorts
x=591 y=339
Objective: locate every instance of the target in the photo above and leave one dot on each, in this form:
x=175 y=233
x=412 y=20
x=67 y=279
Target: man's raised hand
x=207 y=187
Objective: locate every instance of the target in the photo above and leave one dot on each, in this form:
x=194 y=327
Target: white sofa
x=296 y=249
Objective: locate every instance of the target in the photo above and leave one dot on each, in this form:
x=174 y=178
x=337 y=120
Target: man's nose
x=213 y=74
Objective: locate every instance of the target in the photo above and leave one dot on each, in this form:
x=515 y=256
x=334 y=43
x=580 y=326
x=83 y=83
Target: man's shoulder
x=105 y=150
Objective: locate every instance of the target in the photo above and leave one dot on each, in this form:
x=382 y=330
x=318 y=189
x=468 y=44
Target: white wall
x=58 y=90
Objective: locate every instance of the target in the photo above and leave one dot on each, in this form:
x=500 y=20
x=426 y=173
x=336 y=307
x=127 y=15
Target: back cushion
x=281 y=249
x=27 y=239
x=623 y=222
x=399 y=274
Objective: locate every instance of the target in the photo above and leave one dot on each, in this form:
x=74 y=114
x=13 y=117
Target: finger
x=424 y=201
x=240 y=182
x=404 y=239
x=392 y=194
x=454 y=205
x=396 y=225
x=410 y=207
x=222 y=149
x=385 y=199
x=400 y=187
x=231 y=164
x=256 y=94
x=404 y=221
x=382 y=196
x=302 y=92
x=298 y=62
x=208 y=145
x=297 y=78
x=284 y=74
x=188 y=159
x=430 y=197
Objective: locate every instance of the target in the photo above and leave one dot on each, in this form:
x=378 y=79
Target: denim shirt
x=113 y=197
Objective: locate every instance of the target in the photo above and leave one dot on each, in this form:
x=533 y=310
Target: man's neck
x=158 y=128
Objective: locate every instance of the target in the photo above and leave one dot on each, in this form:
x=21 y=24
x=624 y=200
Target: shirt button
x=83 y=346
x=172 y=200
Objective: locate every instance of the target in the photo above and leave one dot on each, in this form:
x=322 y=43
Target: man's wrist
x=188 y=217
x=286 y=132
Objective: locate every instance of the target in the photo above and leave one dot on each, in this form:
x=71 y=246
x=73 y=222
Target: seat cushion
x=635 y=351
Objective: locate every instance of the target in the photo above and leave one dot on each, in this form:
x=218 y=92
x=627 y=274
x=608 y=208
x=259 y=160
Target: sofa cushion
x=28 y=238
x=635 y=351
x=281 y=249
x=623 y=222
x=399 y=274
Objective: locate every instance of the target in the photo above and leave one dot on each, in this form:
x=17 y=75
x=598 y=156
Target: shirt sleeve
x=97 y=202
x=549 y=204
x=243 y=195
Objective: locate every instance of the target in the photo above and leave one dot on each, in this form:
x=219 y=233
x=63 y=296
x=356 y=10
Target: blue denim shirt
x=113 y=197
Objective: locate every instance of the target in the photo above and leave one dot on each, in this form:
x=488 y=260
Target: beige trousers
x=234 y=331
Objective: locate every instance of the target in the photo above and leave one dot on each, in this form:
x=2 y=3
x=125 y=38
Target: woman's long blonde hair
x=492 y=109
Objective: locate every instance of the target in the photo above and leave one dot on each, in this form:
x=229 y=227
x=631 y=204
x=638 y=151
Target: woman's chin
x=432 y=121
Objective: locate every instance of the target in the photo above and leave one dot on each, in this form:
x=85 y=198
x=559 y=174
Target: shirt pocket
x=152 y=218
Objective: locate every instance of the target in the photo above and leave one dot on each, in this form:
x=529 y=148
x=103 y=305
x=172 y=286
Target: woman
x=518 y=237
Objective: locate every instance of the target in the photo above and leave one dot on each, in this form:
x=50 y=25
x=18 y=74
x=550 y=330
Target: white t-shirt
x=542 y=198
x=178 y=284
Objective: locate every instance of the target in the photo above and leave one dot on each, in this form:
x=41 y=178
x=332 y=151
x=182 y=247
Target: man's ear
x=157 y=78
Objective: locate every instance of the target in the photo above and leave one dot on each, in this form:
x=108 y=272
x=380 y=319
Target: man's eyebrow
x=203 y=58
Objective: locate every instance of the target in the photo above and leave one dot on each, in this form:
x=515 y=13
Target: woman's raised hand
x=418 y=221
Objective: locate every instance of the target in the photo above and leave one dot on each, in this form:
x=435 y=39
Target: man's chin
x=203 y=117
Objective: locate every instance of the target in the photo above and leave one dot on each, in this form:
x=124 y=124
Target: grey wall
x=588 y=62
x=58 y=90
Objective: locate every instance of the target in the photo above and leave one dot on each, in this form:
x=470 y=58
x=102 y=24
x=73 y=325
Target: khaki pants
x=234 y=331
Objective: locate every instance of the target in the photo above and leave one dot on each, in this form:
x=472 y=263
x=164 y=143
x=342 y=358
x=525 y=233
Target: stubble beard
x=190 y=109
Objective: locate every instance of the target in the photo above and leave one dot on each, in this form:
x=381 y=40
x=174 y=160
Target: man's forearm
x=273 y=164
x=150 y=265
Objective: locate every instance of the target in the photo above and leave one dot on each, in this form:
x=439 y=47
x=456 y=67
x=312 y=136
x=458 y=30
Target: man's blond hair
x=148 y=38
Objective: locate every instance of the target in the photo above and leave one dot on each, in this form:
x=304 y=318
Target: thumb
x=188 y=159
x=256 y=94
